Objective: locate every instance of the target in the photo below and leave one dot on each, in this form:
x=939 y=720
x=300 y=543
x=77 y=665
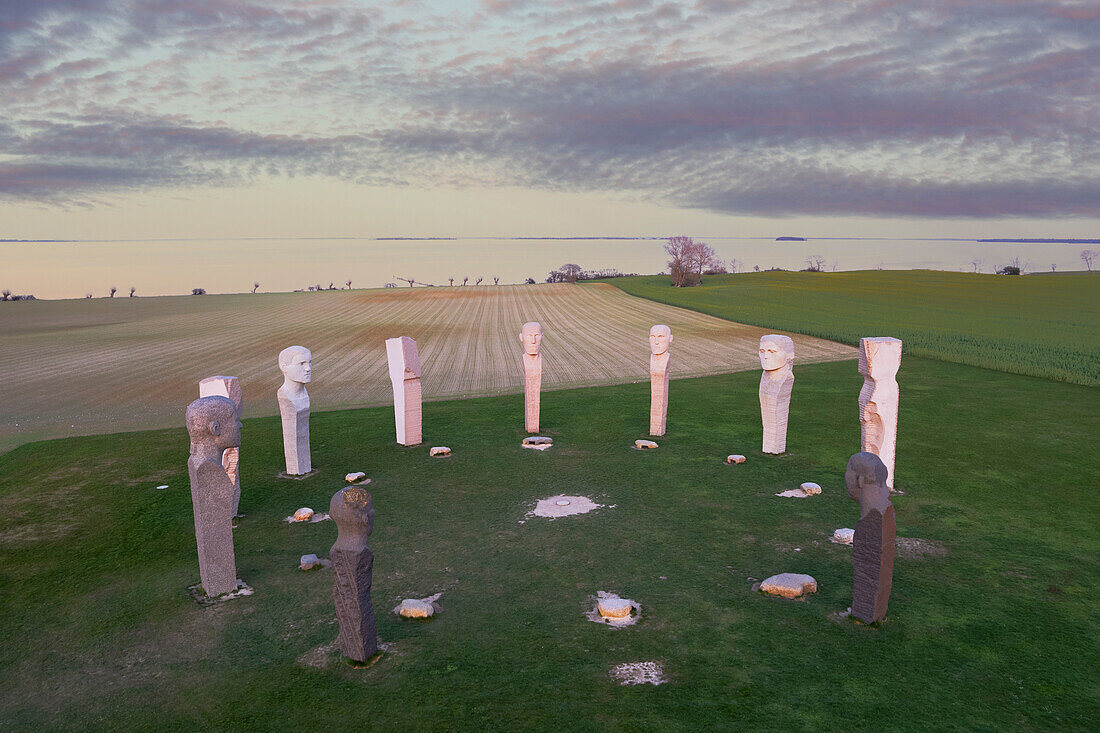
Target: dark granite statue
x=214 y=427
x=873 y=546
x=352 y=565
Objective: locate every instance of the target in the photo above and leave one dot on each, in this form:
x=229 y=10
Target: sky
x=209 y=118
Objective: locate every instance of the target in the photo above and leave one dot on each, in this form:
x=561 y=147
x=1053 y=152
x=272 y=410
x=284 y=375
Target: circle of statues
x=214 y=426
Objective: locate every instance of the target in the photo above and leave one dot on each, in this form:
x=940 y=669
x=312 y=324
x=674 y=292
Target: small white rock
x=439 y=450
x=735 y=458
x=644 y=444
x=413 y=608
x=303 y=515
x=537 y=442
x=844 y=536
x=614 y=607
x=789 y=585
x=308 y=562
x=162 y=487
x=810 y=488
x=353 y=477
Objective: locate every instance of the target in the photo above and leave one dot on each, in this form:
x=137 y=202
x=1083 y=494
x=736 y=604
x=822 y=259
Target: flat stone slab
x=563 y=506
x=810 y=488
x=789 y=585
x=843 y=536
x=312 y=519
x=419 y=607
x=357 y=476
x=439 y=450
x=735 y=458
x=644 y=445
x=612 y=610
x=312 y=562
x=639 y=673
x=807 y=489
x=538 y=442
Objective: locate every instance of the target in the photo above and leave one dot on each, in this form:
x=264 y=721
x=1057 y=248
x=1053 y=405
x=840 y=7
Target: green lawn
x=993 y=630
x=1041 y=326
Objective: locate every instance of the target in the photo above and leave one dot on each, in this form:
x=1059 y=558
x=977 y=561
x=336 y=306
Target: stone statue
x=531 y=338
x=659 y=339
x=404 y=362
x=228 y=387
x=213 y=426
x=879 y=360
x=873 y=545
x=352 y=566
x=297 y=365
x=777 y=360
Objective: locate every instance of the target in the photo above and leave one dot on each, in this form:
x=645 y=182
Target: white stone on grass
x=538 y=442
x=356 y=476
x=414 y=608
x=789 y=585
x=439 y=450
x=614 y=607
x=644 y=444
x=810 y=488
x=563 y=506
x=303 y=515
x=308 y=562
x=612 y=610
x=735 y=458
x=844 y=536
x=639 y=673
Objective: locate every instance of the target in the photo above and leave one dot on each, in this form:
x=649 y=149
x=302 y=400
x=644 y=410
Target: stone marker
x=776 y=383
x=659 y=339
x=879 y=361
x=735 y=458
x=213 y=426
x=538 y=442
x=439 y=450
x=303 y=515
x=644 y=444
x=352 y=565
x=415 y=608
x=810 y=488
x=873 y=545
x=844 y=536
x=296 y=364
x=228 y=387
x=614 y=607
x=404 y=362
x=789 y=585
x=309 y=562
x=354 y=476
x=531 y=338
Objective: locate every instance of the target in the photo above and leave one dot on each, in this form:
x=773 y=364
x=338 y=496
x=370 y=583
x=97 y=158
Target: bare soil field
x=81 y=367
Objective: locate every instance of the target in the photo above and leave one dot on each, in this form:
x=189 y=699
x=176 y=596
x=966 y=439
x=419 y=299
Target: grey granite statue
x=228 y=387
x=213 y=426
x=873 y=546
x=296 y=364
x=352 y=565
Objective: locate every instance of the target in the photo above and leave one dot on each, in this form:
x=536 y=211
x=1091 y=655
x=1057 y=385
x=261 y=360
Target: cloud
x=880 y=107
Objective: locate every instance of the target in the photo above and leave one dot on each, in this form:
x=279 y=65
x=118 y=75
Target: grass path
x=110 y=365
x=1040 y=325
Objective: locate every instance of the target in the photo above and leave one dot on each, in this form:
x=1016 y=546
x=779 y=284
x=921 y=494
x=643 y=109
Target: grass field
x=91 y=366
x=991 y=623
x=1042 y=326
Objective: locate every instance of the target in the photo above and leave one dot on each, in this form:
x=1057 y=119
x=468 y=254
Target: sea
x=77 y=269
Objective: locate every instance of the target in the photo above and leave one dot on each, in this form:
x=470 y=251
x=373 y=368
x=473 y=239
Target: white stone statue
x=659 y=339
x=296 y=364
x=228 y=387
x=777 y=361
x=879 y=361
x=404 y=363
x=531 y=338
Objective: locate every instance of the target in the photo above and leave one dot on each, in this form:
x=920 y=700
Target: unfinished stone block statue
x=659 y=339
x=404 y=363
x=873 y=545
x=228 y=387
x=213 y=427
x=296 y=364
x=776 y=383
x=352 y=568
x=531 y=338
x=879 y=361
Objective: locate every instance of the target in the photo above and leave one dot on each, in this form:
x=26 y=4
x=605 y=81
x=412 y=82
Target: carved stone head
x=353 y=511
x=776 y=352
x=879 y=357
x=531 y=338
x=659 y=339
x=212 y=423
x=296 y=364
x=865 y=478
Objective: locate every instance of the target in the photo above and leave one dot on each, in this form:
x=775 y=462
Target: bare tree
x=465 y=280
x=132 y=291
x=976 y=264
x=815 y=263
x=680 y=250
x=87 y=295
x=1053 y=266
x=113 y=291
x=835 y=264
x=451 y=280
x=348 y=282
x=196 y=291
x=479 y=281
x=703 y=260
x=5 y=293
x=756 y=268
x=1088 y=256
x=255 y=287
x=496 y=281
x=390 y=285
x=736 y=265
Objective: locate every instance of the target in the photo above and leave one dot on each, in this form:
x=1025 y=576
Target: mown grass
x=1041 y=326
x=992 y=631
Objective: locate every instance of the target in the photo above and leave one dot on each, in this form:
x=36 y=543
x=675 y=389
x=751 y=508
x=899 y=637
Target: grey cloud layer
x=940 y=109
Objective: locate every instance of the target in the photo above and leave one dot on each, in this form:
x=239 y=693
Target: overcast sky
x=332 y=117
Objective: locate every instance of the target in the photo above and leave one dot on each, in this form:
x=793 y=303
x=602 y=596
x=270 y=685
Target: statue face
x=297 y=365
x=659 y=339
x=774 y=353
x=531 y=338
x=230 y=433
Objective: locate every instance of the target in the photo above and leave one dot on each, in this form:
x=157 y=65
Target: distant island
x=790 y=239
x=1044 y=241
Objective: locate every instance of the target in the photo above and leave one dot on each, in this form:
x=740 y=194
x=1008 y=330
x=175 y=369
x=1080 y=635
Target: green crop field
x=1038 y=325
x=991 y=623
x=106 y=365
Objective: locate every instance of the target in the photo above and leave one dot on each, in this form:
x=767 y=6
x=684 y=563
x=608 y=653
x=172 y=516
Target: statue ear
x=215 y=428
x=670 y=338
